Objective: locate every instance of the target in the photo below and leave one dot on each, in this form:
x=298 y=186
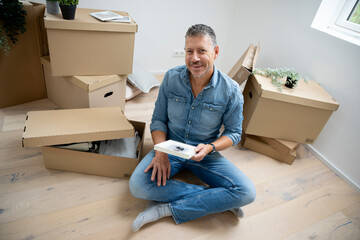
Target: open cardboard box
x=256 y=144
x=296 y=115
x=48 y=128
x=87 y=46
x=244 y=66
x=84 y=91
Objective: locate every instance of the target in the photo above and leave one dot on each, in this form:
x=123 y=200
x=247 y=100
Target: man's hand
x=161 y=168
x=201 y=151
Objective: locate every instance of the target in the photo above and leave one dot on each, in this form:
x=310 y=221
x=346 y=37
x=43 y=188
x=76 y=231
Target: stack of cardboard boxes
x=276 y=122
x=101 y=51
x=85 y=73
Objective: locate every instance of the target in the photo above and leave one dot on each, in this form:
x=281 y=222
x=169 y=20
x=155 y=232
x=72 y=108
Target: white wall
x=283 y=29
x=163 y=24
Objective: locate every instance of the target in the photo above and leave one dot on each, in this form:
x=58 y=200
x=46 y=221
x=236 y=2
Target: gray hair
x=202 y=30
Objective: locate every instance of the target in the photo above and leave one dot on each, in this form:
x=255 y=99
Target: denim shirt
x=198 y=120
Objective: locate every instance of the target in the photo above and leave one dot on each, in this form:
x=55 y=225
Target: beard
x=199 y=74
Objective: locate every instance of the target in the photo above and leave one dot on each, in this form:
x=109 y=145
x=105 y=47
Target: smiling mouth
x=196 y=66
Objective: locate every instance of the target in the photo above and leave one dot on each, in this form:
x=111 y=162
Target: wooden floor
x=303 y=201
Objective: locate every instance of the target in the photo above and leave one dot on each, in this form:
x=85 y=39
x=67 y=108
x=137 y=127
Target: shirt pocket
x=211 y=115
x=176 y=105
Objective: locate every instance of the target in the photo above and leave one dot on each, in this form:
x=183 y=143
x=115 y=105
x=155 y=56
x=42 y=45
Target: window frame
x=345 y=13
x=330 y=19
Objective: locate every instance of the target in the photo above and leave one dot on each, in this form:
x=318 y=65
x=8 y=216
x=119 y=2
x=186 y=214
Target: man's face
x=200 y=56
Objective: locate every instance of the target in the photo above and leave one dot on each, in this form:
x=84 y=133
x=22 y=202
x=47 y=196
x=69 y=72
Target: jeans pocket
x=211 y=115
x=176 y=105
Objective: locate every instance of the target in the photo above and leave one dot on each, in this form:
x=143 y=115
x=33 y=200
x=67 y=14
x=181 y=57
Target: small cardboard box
x=296 y=115
x=244 y=66
x=84 y=91
x=21 y=77
x=282 y=146
x=87 y=46
x=47 y=128
x=256 y=144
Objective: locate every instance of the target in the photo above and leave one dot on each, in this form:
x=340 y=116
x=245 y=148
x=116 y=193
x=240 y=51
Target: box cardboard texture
x=87 y=46
x=296 y=115
x=84 y=91
x=21 y=77
x=282 y=146
x=47 y=128
x=256 y=144
x=244 y=66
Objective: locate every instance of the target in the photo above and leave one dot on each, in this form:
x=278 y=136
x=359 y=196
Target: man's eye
x=189 y=51
x=202 y=50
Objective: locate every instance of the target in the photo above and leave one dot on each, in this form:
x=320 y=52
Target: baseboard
x=332 y=167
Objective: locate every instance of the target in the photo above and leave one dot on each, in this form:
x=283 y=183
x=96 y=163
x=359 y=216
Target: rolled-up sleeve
x=233 y=117
x=160 y=117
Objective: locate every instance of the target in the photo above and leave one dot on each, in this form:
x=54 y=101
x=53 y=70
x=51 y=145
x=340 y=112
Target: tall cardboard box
x=21 y=77
x=48 y=128
x=296 y=115
x=244 y=66
x=257 y=144
x=87 y=46
x=84 y=91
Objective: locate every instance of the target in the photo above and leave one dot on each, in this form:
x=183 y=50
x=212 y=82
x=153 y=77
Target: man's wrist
x=212 y=147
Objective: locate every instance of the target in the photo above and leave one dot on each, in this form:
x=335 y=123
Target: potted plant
x=68 y=8
x=12 y=23
x=280 y=76
x=52 y=7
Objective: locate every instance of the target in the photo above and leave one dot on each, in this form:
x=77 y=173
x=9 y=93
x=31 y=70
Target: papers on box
x=110 y=16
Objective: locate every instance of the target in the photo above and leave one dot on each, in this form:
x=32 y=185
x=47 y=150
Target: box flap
x=44 y=128
x=239 y=63
x=257 y=50
x=91 y=83
x=309 y=94
x=244 y=66
x=83 y=21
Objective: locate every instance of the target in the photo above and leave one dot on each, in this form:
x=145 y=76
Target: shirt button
x=176 y=100
x=192 y=108
x=189 y=121
x=210 y=109
x=187 y=135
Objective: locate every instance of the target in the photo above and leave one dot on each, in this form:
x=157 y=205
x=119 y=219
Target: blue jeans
x=228 y=187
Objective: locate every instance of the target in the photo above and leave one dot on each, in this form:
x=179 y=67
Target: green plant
x=12 y=17
x=4 y=44
x=280 y=76
x=69 y=2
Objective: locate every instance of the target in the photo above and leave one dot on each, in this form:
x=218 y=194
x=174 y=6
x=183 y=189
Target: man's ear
x=216 y=52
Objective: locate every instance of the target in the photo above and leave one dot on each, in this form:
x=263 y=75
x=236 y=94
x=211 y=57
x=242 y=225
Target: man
x=193 y=102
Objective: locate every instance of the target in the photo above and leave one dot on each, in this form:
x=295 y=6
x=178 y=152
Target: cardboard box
x=87 y=46
x=282 y=146
x=84 y=91
x=244 y=66
x=257 y=145
x=47 y=128
x=296 y=115
x=21 y=77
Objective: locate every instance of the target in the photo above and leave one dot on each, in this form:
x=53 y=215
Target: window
x=340 y=18
x=350 y=16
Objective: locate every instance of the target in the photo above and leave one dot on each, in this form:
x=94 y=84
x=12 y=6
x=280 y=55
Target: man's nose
x=195 y=57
